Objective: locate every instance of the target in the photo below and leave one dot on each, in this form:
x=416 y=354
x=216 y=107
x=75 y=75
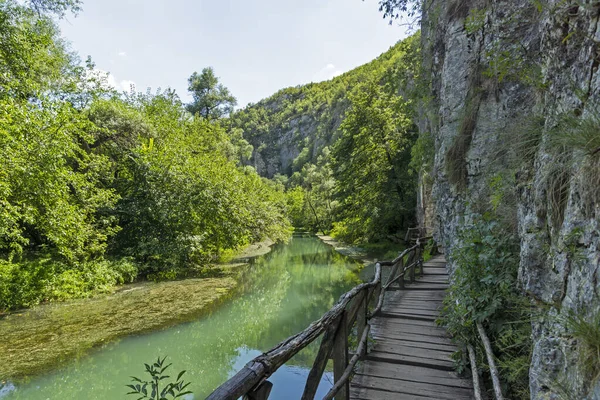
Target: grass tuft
x=587 y=332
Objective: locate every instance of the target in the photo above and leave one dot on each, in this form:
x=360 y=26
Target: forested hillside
x=98 y=187
x=342 y=147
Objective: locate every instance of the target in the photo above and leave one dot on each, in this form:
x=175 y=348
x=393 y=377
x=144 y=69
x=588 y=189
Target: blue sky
x=255 y=46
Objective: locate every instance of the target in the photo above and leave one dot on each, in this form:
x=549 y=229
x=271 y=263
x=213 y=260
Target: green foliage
x=423 y=156
x=42 y=278
x=33 y=58
x=183 y=200
x=313 y=113
x=351 y=139
x=475 y=21
x=295 y=205
x=587 y=333
x=157 y=371
x=52 y=189
x=318 y=185
x=370 y=161
x=88 y=175
x=394 y=9
x=485 y=278
x=484 y=289
x=212 y=100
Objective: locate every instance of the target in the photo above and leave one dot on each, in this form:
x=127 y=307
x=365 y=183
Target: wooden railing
x=356 y=307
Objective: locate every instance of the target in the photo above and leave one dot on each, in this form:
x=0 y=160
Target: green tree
x=393 y=9
x=370 y=161
x=212 y=100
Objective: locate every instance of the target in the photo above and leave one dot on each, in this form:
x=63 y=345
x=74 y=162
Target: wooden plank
x=407 y=350
x=403 y=385
x=388 y=389
x=410 y=360
x=418 y=345
x=410 y=321
x=415 y=305
x=396 y=325
x=417 y=375
x=411 y=337
x=370 y=394
x=419 y=305
x=413 y=373
x=417 y=314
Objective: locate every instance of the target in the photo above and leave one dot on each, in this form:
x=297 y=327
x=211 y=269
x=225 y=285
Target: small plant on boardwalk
x=152 y=389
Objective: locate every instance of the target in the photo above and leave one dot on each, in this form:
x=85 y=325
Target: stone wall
x=493 y=66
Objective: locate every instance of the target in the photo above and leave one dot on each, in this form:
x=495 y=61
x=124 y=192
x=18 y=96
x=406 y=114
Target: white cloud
x=122 y=54
x=127 y=85
x=326 y=73
x=108 y=80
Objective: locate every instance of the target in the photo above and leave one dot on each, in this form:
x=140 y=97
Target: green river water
x=281 y=294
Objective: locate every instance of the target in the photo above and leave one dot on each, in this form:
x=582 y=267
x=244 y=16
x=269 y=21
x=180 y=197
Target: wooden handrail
x=335 y=325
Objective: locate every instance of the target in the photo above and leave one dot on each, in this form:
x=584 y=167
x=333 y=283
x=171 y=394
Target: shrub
x=157 y=374
x=484 y=289
x=30 y=282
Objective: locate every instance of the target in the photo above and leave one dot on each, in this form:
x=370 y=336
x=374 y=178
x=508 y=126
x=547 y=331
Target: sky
x=256 y=47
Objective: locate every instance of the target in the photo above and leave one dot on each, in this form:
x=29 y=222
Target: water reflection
x=281 y=294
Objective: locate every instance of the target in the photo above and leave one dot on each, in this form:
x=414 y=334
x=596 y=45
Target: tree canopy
x=212 y=100
x=97 y=187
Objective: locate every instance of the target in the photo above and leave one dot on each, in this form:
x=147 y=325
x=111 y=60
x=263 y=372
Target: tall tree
x=212 y=100
x=369 y=161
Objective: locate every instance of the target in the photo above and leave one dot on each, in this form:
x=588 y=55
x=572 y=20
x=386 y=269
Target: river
x=281 y=293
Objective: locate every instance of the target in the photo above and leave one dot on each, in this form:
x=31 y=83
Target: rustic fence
x=354 y=308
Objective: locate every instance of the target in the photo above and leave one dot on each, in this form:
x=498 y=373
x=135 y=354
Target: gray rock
x=559 y=266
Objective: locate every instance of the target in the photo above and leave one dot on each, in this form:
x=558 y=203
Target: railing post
x=361 y=318
x=262 y=392
x=377 y=292
x=422 y=264
x=340 y=358
x=413 y=265
x=401 y=280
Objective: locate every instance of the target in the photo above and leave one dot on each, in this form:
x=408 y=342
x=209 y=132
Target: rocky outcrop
x=291 y=128
x=495 y=66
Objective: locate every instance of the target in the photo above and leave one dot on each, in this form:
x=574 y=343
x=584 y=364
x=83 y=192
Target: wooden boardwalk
x=411 y=355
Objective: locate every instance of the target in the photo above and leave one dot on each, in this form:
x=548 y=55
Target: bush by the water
x=30 y=282
x=89 y=175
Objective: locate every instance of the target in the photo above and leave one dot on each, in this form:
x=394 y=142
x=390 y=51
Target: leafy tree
x=57 y=7
x=212 y=100
x=370 y=161
x=33 y=59
x=97 y=187
x=393 y=9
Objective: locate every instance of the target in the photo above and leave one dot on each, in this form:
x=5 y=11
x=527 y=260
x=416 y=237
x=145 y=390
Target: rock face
x=291 y=128
x=494 y=66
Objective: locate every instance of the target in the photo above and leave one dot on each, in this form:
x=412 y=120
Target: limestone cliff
x=496 y=69
x=290 y=128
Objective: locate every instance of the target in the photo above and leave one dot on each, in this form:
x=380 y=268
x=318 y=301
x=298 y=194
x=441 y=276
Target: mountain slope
x=290 y=128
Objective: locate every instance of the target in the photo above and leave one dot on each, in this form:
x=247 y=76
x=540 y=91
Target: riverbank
x=368 y=253
x=354 y=252
x=39 y=339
